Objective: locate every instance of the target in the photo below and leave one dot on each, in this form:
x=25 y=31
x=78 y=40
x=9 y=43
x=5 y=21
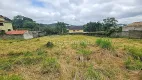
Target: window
x=1 y=24
x=9 y=29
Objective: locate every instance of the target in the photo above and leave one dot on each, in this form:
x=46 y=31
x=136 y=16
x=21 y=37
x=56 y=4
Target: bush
x=104 y=43
x=10 y=77
x=49 y=44
x=50 y=65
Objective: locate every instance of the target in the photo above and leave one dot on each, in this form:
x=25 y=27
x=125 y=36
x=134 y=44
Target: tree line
x=108 y=25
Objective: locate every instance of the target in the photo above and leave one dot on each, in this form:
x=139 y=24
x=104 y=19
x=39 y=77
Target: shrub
x=10 y=77
x=83 y=44
x=49 y=44
x=104 y=43
x=50 y=65
x=93 y=74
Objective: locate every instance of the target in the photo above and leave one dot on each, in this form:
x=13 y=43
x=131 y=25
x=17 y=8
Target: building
x=133 y=26
x=5 y=24
x=76 y=29
x=19 y=34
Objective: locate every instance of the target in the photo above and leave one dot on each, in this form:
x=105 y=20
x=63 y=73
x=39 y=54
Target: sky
x=75 y=12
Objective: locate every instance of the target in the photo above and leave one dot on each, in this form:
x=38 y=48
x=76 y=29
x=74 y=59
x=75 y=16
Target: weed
x=50 y=65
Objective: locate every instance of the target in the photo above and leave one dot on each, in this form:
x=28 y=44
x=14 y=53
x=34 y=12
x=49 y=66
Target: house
x=5 y=24
x=133 y=26
x=19 y=34
x=76 y=29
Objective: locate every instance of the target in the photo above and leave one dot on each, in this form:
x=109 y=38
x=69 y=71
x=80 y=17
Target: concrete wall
x=28 y=35
x=75 y=31
x=135 y=34
x=131 y=28
x=11 y=37
x=128 y=34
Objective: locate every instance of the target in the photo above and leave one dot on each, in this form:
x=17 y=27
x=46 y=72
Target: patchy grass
x=50 y=65
x=32 y=60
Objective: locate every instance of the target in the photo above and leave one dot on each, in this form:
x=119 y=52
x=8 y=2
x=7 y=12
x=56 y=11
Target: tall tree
x=61 y=27
x=109 y=22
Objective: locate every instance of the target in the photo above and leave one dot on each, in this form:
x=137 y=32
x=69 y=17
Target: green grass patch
x=84 y=52
x=135 y=52
x=83 y=44
x=104 y=43
x=133 y=64
x=93 y=74
x=10 y=77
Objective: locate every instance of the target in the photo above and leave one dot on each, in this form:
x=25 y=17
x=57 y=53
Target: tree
x=93 y=27
x=61 y=27
x=29 y=24
x=109 y=22
x=18 y=21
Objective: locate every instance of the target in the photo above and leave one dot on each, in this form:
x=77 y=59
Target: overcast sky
x=73 y=11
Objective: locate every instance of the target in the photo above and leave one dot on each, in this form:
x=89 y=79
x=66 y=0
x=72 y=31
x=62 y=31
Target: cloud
x=73 y=11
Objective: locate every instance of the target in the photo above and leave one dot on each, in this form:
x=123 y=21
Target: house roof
x=14 y=32
x=135 y=24
x=76 y=28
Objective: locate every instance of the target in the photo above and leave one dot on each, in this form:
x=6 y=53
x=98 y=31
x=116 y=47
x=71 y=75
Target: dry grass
x=107 y=64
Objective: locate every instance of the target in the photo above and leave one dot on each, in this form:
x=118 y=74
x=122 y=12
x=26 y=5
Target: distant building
x=133 y=26
x=5 y=24
x=19 y=34
x=76 y=29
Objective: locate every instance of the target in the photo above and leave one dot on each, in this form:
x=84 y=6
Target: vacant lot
x=71 y=57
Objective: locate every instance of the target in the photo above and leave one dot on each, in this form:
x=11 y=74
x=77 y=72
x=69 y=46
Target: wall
x=11 y=37
x=76 y=31
x=28 y=35
x=128 y=34
x=131 y=28
x=135 y=34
